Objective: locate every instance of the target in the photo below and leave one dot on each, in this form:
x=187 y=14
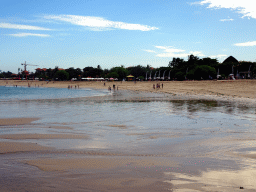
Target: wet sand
x=42 y=136
x=41 y=168
x=16 y=121
x=91 y=163
x=14 y=147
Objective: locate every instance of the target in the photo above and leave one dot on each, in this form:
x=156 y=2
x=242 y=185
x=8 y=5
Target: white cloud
x=182 y=55
x=172 y=52
x=245 y=7
x=217 y=56
x=29 y=34
x=223 y=20
x=169 y=49
x=98 y=22
x=246 y=44
x=22 y=27
x=197 y=53
x=149 y=51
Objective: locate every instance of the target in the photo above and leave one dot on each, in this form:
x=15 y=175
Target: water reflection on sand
x=219 y=133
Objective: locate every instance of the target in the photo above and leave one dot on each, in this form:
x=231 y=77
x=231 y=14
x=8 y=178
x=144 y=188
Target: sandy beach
x=240 y=90
x=235 y=88
x=152 y=168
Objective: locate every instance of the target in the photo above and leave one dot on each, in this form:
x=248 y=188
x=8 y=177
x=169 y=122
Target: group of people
x=114 y=87
x=70 y=86
x=158 y=86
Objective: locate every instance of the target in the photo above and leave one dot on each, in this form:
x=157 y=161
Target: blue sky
x=111 y=33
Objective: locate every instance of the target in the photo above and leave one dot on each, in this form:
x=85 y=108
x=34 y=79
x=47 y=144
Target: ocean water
x=30 y=93
x=113 y=124
x=157 y=128
x=208 y=139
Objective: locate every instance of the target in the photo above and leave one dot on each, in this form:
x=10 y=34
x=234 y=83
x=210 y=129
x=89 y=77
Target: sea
x=113 y=124
x=203 y=130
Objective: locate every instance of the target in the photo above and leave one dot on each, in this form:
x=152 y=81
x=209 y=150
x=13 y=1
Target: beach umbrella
x=130 y=77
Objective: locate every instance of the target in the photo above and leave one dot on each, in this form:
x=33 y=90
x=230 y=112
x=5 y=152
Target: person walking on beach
x=114 y=87
x=154 y=86
x=162 y=85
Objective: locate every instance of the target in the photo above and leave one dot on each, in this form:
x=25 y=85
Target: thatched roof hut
x=230 y=59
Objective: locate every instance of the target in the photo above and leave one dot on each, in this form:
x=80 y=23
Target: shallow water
x=29 y=93
x=114 y=125
x=203 y=136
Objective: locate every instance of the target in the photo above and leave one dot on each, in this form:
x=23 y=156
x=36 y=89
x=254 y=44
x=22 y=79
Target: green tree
x=92 y=72
x=50 y=73
x=180 y=76
x=61 y=75
x=113 y=75
x=137 y=71
x=176 y=62
x=121 y=71
x=72 y=72
x=205 y=72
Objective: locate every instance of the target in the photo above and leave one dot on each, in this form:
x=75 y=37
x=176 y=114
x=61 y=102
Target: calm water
x=28 y=93
x=123 y=126
x=205 y=133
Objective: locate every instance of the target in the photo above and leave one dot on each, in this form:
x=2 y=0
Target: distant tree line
x=207 y=68
x=178 y=69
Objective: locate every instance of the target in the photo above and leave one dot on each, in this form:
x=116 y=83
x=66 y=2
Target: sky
x=110 y=33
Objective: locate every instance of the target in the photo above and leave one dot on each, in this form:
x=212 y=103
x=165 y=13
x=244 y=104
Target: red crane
x=25 y=68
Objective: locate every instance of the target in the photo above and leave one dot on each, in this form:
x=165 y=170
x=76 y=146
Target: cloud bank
x=218 y=56
x=22 y=27
x=172 y=52
x=226 y=20
x=29 y=34
x=246 y=44
x=98 y=22
x=245 y=7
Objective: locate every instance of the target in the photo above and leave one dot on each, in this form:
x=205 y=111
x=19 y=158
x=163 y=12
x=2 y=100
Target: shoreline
x=88 y=169
x=241 y=91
